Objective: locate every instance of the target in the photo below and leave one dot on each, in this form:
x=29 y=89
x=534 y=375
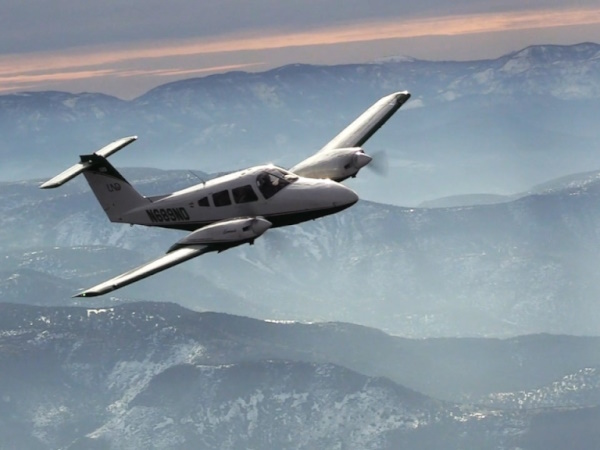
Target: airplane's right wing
x=159 y=264
x=215 y=237
x=343 y=157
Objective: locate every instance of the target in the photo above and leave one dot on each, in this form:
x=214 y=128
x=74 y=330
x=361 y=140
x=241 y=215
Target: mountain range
x=492 y=126
x=155 y=375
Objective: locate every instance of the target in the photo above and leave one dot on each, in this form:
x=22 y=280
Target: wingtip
x=397 y=98
x=52 y=183
x=401 y=97
x=86 y=294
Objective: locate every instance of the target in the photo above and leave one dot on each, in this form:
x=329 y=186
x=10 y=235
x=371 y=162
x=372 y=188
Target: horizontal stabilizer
x=115 y=146
x=65 y=176
x=164 y=262
x=80 y=167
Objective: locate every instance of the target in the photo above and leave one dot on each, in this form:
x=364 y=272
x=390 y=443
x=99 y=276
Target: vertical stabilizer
x=113 y=191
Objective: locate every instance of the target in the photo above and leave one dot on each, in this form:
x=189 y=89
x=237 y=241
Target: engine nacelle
x=337 y=164
x=227 y=233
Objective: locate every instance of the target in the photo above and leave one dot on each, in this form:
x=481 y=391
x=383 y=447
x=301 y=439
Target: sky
x=126 y=48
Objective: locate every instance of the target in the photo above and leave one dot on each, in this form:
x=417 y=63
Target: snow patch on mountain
x=581 y=388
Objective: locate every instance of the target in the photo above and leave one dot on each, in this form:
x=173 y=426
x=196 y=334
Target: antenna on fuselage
x=197 y=176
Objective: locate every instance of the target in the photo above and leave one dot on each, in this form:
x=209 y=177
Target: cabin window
x=221 y=198
x=244 y=194
x=271 y=182
x=203 y=201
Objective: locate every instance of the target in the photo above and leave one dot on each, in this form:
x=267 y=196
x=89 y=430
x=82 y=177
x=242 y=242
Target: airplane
x=236 y=208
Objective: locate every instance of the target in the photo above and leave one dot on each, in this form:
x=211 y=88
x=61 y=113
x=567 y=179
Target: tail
x=113 y=191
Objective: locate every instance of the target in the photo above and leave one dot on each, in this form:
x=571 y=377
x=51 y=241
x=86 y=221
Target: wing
x=159 y=264
x=365 y=126
x=218 y=236
x=342 y=157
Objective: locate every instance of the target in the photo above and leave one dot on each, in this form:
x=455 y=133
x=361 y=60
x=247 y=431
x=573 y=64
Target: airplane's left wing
x=215 y=237
x=343 y=157
x=367 y=124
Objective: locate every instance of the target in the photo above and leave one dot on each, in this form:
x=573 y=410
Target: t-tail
x=113 y=191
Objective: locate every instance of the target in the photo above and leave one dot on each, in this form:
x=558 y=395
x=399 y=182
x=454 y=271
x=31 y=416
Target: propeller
x=380 y=164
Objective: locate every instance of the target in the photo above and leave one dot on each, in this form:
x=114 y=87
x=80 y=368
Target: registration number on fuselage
x=160 y=215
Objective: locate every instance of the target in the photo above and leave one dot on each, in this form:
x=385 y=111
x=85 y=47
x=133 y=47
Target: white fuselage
x=277 y=195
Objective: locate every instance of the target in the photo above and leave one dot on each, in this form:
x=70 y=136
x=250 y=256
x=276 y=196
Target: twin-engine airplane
x=237 y=208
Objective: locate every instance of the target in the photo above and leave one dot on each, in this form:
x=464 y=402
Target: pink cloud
x=22 y=71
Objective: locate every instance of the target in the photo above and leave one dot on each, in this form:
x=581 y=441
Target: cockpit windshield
x=272 y=180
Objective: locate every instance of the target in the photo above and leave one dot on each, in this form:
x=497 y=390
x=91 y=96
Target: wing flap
x=150 y=268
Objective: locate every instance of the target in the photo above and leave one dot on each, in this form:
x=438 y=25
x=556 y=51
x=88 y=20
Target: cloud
x=182 y=72
x=8 y=83
x=13 y=82
x=23 y=71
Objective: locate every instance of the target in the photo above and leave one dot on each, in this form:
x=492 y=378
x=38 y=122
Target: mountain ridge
x=131 y=375
x=222 y=339
x=462 y=116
